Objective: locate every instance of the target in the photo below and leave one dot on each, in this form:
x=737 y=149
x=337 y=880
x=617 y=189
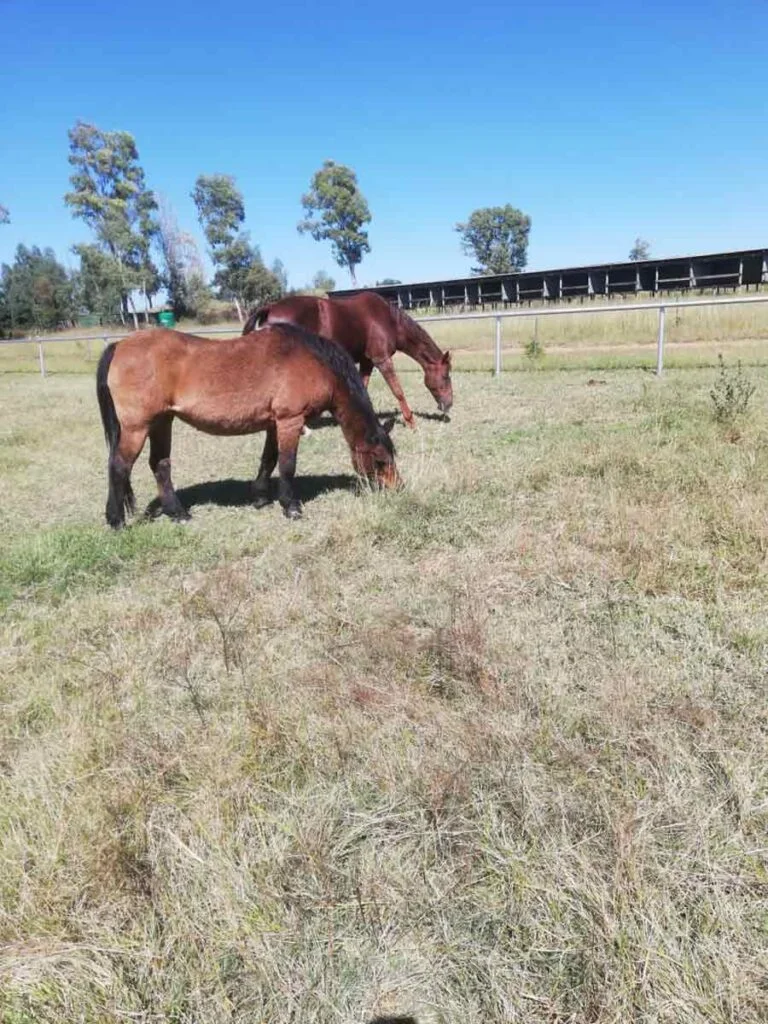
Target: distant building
x=713 y=272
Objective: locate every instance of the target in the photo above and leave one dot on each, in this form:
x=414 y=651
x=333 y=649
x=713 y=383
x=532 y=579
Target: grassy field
x=492 y=749
x=609 y=341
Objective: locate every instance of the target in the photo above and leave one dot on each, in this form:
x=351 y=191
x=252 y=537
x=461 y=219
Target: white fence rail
x=103 y=338
x=498 y=317
x=629 y=307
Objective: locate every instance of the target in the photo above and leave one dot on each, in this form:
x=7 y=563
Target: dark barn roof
x=679 y=273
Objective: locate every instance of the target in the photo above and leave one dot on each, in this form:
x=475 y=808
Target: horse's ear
x=387 y=424
x=447 y=359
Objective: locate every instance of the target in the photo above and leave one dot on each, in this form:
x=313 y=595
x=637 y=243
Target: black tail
x=107 y=406
x=257 y=319
x=110 y=421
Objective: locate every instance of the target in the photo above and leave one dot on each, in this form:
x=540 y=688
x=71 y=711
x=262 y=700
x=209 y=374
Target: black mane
x=256 y=319
x=340 y=363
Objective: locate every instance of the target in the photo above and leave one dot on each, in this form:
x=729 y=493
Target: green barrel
x=166 y=318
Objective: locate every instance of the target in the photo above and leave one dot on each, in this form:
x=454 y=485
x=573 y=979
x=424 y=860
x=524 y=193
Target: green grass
x=52 y=564
x=489 y=749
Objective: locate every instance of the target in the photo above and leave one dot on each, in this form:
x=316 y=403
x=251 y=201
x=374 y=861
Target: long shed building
x=711 y=272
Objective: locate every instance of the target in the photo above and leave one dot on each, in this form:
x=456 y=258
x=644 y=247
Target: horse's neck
x=351 y=421
x=416 y=343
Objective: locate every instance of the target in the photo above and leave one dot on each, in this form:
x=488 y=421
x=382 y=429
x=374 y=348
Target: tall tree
x=109 y=193
x=241 y=275
x=38 y=292
x=497 y=237
x=262 y=285
x=235 y=265
x=337 y=212
x=101 y=283
x=220 y=208
x=641 y=250
x=323 y=282
x=281 y=274
x=5 y=217
x=183 y=274
x=221 y=211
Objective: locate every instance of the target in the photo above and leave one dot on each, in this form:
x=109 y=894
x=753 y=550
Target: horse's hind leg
x=160 y=464
x=266 y=469
x=288 y=434
x=121 y=462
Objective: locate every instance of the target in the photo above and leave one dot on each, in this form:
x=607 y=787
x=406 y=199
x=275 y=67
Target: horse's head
x=437 y=380
x=374 y=457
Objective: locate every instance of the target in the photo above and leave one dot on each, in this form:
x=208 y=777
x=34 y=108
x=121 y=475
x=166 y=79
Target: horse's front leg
x=387 y=370
x=288 y=434
x=366 y=369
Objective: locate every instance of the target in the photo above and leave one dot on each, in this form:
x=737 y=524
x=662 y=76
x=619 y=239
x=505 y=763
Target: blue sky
x=601 y=121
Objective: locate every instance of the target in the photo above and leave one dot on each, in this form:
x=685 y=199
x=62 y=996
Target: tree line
x=139 y=249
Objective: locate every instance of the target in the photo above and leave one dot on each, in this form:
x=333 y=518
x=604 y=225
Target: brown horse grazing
x=273 y=381
x=371 y=330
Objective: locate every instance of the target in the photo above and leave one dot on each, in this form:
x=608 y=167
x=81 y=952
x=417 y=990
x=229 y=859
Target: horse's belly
x=230 y=428
x=223 y=415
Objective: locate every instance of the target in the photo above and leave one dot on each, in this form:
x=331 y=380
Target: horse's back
x=362 y=324
x=301 y=310
x=366 y=323
x=371 y=305
x=229 y=386
x=145 y=364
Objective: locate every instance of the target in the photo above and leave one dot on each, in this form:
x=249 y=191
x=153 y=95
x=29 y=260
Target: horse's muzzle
x=390 y=479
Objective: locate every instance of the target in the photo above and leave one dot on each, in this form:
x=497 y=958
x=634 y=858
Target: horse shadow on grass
x=232 y=493
x=321 y=422
x=438 y=417
x=393 y=1020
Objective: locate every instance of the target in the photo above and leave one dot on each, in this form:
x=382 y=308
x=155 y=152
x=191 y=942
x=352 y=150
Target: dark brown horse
x=371 y=330
x=272 y=380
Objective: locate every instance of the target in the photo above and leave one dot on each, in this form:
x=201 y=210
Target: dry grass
x=492 y=749
x=622 y=339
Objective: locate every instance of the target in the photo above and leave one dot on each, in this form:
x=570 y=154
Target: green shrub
x=533 y=348
x=731 y=393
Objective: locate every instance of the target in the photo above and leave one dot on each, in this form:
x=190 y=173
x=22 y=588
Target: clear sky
x=602 y=121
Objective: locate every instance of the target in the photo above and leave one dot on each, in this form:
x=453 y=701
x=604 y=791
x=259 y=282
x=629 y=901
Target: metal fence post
x=660 y=343
x=497 y=359
x=41 y=356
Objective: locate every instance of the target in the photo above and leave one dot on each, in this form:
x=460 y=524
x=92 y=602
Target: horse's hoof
x=261 y=501
x=292 y=512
